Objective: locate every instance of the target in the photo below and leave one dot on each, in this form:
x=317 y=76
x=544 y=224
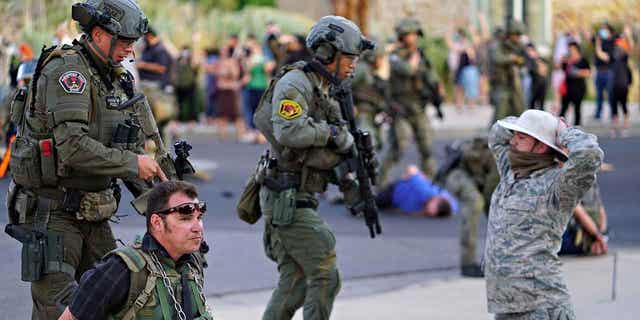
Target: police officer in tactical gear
x=65 y=162
x=370 y=93
x=131 y=282
x=505 y=60
x=412 y=79
x=308 y=138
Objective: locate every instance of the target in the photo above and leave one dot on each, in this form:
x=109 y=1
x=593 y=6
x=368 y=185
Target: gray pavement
x=411 y=254
x=447 y=296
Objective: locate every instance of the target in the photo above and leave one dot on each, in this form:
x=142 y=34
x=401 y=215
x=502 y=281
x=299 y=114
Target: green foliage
x=435 y=49
x=262 y=3
x=179 y=21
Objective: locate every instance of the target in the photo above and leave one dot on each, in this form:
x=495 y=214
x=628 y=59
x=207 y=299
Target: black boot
x=472 y=271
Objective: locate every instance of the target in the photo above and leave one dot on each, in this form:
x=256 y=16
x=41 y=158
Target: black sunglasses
x=186 y=208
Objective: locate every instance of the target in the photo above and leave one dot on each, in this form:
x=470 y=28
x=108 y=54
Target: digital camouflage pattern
x=526 y=222
x=562 y=312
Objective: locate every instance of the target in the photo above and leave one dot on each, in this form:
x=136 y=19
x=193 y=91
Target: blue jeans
x=603 y=77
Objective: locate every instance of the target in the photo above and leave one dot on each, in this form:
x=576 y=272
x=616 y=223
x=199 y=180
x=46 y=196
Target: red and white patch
x=73 y=82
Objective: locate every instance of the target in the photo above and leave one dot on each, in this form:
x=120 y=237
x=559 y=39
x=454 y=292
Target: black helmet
x=122 y=18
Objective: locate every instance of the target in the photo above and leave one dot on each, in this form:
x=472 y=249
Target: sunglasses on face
x=186 y=208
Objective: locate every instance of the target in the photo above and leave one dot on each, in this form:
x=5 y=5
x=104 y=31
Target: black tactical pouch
x=284 y=207
x=33 y=257
x=17 y=106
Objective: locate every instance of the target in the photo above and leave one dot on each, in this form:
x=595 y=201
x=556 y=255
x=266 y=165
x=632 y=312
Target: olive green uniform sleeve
x=299 y=129
x=70 y=113
x=400 y=66
x=501 y=56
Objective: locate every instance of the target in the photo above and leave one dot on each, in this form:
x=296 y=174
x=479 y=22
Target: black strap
x=306 y=204
x=187 y=299
x=318 y=68
x=43 y=210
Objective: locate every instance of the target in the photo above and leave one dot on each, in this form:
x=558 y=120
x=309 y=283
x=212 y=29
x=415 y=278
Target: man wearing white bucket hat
x=545 y=167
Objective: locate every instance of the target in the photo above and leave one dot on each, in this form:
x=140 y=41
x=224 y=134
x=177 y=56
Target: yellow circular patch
x=289 y=109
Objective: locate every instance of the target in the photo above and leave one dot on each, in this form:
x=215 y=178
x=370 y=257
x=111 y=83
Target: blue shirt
x=411 y=194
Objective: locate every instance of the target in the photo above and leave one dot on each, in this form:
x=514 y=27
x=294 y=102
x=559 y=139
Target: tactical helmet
x=26 y=70
x=515 y=27
x=408 y=25
x=371 y=55
x=333 y=34
x=122 y=18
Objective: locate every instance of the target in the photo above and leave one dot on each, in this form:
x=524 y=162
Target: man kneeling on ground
x=160 y=277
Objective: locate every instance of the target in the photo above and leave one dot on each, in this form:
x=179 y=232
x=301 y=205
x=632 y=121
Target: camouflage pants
x=471 y=201
x=507 y=102
x=563 y=312
x=399 y=139
x=84 y=244
x=305 y=253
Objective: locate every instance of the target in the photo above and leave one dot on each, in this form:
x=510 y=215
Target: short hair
x=444 y=208
x=574 y=44
x=160 y=194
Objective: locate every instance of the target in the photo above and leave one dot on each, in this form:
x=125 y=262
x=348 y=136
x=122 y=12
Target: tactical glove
x=340 y=139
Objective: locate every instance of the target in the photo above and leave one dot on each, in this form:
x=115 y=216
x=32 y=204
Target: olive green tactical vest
x=406 y=87
x=95 y=105
x=314 y=164
x=148 y=298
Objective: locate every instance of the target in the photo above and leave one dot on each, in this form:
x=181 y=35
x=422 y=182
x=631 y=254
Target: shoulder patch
x=73 y=82
x=289 y=109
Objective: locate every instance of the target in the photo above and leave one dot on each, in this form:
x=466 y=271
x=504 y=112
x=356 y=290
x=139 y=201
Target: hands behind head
x=562 y=125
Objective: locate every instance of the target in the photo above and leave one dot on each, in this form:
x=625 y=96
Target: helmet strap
x=337 y=58
x=112 y=48
x=97 y=50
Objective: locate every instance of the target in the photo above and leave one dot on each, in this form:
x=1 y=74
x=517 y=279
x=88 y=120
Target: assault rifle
x=429 y=91
x=174 y=169
x=361 y=160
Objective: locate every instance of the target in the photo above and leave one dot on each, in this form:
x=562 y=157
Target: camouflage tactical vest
x=148 y=297
x=79 y=95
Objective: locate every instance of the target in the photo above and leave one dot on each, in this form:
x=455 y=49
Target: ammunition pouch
x=285 y=186
x=97 y=206
x=248 y=207
x=33 y=162
x=284 y=207
x=18 y=106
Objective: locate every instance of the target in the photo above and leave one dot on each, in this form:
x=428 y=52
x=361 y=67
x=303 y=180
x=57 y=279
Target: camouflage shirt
x=526 y=222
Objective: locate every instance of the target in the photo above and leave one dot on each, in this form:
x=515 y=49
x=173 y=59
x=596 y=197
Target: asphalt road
x=408 y=244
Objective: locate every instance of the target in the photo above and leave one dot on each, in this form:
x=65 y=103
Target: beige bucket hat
x=539 y=124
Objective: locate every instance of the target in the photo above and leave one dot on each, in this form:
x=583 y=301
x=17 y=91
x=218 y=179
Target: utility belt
x=89 y=206
x=29 y=214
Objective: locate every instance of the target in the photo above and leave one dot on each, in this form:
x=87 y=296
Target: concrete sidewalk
x=451 y=297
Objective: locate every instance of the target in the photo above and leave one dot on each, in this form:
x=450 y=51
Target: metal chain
x=167 y=284
x=200 y=284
